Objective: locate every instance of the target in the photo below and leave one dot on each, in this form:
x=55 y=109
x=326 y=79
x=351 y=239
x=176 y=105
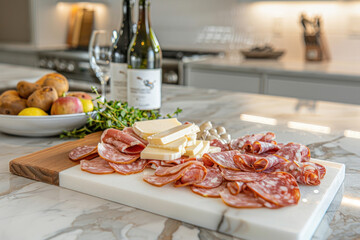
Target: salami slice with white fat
x=259 y=147
x=245 y=162
x=223 y=159
x=164 y=171
x=234 y=187
x=131 y=168
x=195 y=173
x=218 y=143
x=213 y=178
x=96 y=166
x=232 y=175
x=240 y=200
x=111 y=154
x=279 y=188
x=264 y=163
x=82 y=152
x=294 y=152
x=160 y=181
x=209 y=192
x=123 y=141
x=239 y=143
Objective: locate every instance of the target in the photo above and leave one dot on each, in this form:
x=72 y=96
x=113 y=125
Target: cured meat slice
x=209 y=192
x=218 y=143
x=239 y=143
x=131 y=168
x=194 y=174
x=223 y=159
x=81 y=152
x=245 y=177
x=294 y=152
x=264 y=163
x=163 y=171
x=279 y=188
x=123 y=141
x=240 y=200
x=111 y=154
x=245 y=162
x=96 y=166
x=261 y=147
x=307 y=173
x=130 y=131
x=213 y=178
x=234 y=187
x=160 y=181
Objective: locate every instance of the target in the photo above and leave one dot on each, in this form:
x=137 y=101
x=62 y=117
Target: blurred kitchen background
x=201 y=42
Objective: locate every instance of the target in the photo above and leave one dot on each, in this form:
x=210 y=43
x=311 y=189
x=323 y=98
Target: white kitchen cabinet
x=316 y=89
x=224 y=80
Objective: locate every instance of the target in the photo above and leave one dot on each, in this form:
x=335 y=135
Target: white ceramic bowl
x=41 y=126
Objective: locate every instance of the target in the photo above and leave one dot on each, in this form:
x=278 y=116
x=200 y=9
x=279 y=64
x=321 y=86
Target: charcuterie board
x=295 y=222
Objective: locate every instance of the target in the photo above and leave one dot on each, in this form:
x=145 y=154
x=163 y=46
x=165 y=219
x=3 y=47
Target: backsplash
x=233 y=24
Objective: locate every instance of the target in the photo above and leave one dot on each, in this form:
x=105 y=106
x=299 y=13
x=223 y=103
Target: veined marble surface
x=34 y=210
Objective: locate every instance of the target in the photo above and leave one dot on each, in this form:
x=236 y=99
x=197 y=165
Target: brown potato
x=42 y=98
x=25 y=88
x=56 y=80
x=11 y=103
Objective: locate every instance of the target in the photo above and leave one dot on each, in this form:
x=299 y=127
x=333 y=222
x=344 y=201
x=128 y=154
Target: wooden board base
x=45 y=165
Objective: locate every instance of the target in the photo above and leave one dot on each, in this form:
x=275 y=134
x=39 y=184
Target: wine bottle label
x=118 y=81
x=144 y=88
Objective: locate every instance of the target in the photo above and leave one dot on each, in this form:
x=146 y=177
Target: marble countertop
x=35 y=210
x=288 y=67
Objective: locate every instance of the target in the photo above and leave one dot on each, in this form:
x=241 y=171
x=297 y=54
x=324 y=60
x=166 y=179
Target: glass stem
x=103 y=89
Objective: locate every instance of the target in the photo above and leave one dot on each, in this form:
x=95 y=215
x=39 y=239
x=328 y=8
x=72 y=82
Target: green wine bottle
x=144 y=64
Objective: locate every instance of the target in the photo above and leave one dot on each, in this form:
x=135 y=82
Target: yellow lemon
x=32 y=111
x=87 y=105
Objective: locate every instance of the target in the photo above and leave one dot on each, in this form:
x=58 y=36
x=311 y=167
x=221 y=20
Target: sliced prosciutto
x=131 y=168
x=209 y=192
x=123 y=141
x=111 y=154
x=82 y=152
x=130 y=131
x=223 y=159
x=96 y=166
x=278 y=188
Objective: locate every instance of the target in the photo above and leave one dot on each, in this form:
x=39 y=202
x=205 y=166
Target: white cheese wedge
x=177 y=145
x=205 y=149
x=191 y=139
x=213 y=149
x=159 y=154
x=144 y=129
x=194 y=149
x=172 y=134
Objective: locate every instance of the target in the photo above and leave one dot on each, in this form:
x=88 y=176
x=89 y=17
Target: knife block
x=316 y=48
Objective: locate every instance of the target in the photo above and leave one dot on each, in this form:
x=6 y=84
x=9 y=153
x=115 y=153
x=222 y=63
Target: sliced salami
x=279 y=188
x=245 y=177
x=245 y=162
x=234 y=187
x=130 y=131
x=81 y=152
x=96 y=166
x=223 y=159
x=164 y=171
x=160 y=181
x=218 y=143
x=213 y=178
x=195 y=173
x=307 y=173
x=123 y=141
x=259 y=147
x=111 y=154
x=240 y=200
x=264 y=163
x=239 y=143
x=131 y=168
x=294 y=152
x=322 y=170
x=209 y=192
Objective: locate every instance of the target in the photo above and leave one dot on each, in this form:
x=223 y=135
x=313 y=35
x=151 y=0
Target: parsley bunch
x=113 y=114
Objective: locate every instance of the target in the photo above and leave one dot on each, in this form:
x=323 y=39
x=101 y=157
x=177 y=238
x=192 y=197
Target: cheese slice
x=171 y=135
x=194 y=149
x=213 y=149
x=177 y=145
x=191 y=139
x=159 y=154
x=205 y=149
x=144 y=129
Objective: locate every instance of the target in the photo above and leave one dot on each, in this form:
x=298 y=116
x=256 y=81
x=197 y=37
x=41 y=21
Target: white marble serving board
x=295 y=222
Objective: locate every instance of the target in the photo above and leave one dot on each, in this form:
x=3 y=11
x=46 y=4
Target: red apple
x=82 y=95
x=67 y=105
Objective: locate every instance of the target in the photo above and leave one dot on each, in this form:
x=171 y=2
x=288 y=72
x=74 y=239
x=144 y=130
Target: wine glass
x=100 y=54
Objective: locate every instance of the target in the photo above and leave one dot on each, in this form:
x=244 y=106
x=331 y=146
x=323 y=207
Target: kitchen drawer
x=315 y=89
x=231 y=81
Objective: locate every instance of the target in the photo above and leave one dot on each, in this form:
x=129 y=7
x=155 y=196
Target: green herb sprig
x=113 y=114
